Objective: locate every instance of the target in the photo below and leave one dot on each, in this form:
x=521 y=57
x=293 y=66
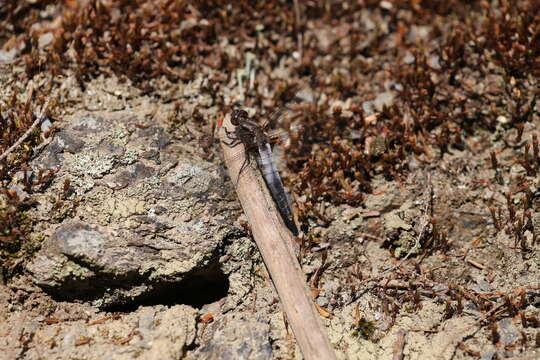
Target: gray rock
x=8 y=55
x=45 y=40
x=402 y=227
x=90 y=124
x=21 y=194
x=488 y=356
x=141 y=224
x=236 y=337
x=482 y=286
x=46 y=124
x=418 y=33
x=434 y=62
x=306 y=95
x=508 y=331
x=53 y=154
x=368 y=107
x=148 y=333
x=383 y=99
x=408 y=58
x=20 y=175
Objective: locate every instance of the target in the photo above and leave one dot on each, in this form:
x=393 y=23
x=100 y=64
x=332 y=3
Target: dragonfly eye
x=237 y=116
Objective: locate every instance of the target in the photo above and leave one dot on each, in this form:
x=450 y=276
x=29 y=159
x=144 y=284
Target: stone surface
x=235 y=337
x=149 y=333
x=132 y=218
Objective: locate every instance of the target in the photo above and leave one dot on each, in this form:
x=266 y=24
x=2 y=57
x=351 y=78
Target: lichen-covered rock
x=130 y=216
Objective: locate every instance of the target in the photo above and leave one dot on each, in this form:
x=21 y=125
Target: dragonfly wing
x=278 y=137
x=297 y=94
x=282 y=136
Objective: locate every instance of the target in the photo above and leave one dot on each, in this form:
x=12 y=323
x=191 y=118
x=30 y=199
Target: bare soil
x=413 y=164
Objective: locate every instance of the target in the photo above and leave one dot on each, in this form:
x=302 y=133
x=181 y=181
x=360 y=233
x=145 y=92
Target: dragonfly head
x=237 y=117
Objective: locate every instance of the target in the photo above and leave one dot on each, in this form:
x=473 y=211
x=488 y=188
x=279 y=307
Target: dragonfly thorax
x=238 y=116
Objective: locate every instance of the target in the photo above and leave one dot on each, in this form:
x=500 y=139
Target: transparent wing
x=278 y=138
x=285 y=114
x=282 y=137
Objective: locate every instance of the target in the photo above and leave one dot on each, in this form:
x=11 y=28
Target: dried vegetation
x=464 y=75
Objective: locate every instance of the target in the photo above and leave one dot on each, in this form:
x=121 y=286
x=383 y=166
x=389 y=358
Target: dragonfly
x=260 y=144
x=253 y=136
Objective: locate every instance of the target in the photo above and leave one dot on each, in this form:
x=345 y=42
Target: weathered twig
x=27 y=133
x=399 y=345
x=275 y=241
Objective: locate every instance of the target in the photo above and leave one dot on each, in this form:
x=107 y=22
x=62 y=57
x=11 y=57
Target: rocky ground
x=413 y=164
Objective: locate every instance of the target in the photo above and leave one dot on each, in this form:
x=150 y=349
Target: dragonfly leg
x=234 y=139
x=232 y=143
x=246 y=163
x=231 y=135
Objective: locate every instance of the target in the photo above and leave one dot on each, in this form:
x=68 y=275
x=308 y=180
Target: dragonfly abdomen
x=275 y=186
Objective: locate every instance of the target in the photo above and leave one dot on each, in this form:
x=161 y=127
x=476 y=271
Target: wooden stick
x=275 y=241
x=399 y=345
